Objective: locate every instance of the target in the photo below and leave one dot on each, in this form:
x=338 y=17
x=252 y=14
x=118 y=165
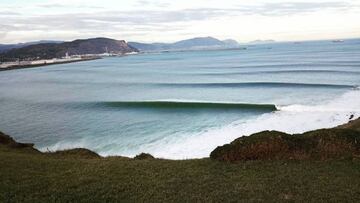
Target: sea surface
x=182 y=105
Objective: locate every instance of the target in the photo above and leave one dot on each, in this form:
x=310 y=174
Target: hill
x=197 y=42
x=188 y=44
x=76 y=47
x=6 y=47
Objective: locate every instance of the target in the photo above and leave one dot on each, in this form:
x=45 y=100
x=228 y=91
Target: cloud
x=9 y=13
x=151 y=3
x=291 y=8
x=51 y=5
x=141 y=22
x=59 y=5
x=3 y=35
x=154 y=18
x=106 y=20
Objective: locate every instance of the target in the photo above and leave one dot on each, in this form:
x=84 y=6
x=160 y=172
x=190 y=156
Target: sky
x=173 y=20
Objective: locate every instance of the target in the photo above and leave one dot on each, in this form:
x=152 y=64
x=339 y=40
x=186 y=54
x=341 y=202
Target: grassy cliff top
x=335 y=143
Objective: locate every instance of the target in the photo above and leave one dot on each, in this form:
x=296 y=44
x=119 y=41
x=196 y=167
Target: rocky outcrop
x=341 y=142
x=10 y=142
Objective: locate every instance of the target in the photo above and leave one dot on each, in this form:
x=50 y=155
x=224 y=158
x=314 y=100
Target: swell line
x=281 y=71
x=256 y=84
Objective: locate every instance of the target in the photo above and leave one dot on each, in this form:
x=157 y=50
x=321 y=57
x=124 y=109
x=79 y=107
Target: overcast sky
x=172 y=20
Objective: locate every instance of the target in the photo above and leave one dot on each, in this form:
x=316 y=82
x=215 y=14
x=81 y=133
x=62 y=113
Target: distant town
x=29 y=63
x=66 y=59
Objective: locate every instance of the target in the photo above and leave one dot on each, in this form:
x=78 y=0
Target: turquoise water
x=181 y=104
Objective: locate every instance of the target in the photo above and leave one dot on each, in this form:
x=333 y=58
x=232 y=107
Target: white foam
x=290 y=119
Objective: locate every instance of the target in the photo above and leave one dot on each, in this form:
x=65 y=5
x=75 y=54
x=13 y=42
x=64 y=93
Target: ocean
x=182 y=105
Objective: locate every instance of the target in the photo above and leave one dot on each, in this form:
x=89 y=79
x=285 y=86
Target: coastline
x=15 y=67
x=81 y=175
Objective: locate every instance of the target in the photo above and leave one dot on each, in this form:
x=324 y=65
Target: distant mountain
x=231 y=43
x=77 y=47
x=188 y=44
x=6 y=47
x=262 y=41
x=197 y=42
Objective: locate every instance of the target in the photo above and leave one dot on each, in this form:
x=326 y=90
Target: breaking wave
x=187 y=104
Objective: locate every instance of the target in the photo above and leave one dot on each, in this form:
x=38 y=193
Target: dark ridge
x=191 y=105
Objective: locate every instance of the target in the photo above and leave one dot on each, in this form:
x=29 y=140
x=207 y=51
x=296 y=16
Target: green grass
x=28 y=176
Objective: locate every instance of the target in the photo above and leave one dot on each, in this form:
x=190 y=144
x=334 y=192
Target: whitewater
x=290 y=119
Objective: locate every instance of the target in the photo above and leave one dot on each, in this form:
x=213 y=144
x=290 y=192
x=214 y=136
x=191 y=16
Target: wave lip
x=257 y=84
x=188 y=105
